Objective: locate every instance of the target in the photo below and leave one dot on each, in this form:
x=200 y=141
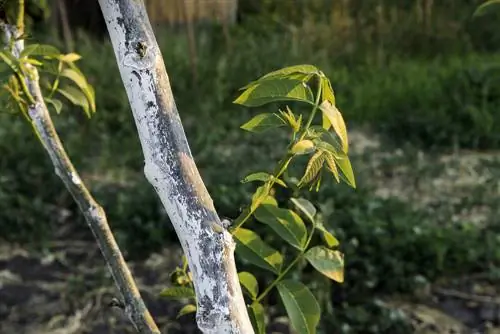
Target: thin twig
x=94 y=214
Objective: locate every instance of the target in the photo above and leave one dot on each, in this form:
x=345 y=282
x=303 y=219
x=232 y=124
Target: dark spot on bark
x=137 y=76
x=150 y=105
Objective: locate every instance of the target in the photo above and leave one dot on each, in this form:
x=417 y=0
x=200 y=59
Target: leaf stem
x=288 y=268
x=280 y=169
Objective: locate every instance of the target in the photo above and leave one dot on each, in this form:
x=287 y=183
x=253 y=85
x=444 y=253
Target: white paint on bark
x=170 y=168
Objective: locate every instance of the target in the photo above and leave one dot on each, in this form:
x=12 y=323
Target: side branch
x=94 y=214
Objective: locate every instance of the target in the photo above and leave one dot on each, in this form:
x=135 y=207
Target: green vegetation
x=420 y=91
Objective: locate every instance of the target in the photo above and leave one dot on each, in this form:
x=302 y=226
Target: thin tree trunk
x=131 y=303
x=66 y=28
x=170 y=168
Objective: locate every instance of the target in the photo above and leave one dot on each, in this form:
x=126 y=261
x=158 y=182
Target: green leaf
x=329 y=239
x=301 y=305
x=70 y=57
x=249 y=282
x=286 y=223
x=327 y=90
x=313 y=168
x=332 y=166
x=291 y=120
x=55 y=103
x=252 y=248
x=187 y=309
x=76 y=97
x=306 y=207
x=79 y=79
x=257 y=317
x=275 y=90
x=259 y=195
x=327 y=261
x=346 y=169
x=487 y=7
x=264 y=177
x=10 y=60
x=304 y=146
x=335 y=119
x=40 y=50
x=178 y=292
x=287 y=71
x=263 y=122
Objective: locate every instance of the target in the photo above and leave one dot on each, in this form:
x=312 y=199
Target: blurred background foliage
x=422 y=74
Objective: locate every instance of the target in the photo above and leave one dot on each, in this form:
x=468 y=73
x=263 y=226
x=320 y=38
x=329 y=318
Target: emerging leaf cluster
x=60 y=78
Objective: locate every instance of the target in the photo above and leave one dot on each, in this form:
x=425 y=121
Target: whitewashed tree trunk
x=170 y=168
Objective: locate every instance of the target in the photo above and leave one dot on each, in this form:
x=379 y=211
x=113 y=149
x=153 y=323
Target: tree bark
x=131 y=303
x=170 y=168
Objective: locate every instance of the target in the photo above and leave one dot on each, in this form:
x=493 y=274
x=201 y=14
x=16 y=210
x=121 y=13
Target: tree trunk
x=170 y=168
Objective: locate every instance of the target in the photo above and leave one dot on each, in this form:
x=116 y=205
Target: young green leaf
x=40 y=50
x=249 y=283
x=329 y=239
x=260 y=176
x=487 y=7
x=55 y=103
x=335 y=119
x=286 y=223
x=287 y=71
x=70 y=57
x=76 y=97
x=79 y=79
x=263 y=122
x=332 y=166
x=178 y=292
x=313 y=167
x=253 y=249
x=328 y=262
x=304 y=146
x=258 y=197
x=346 y=169
x=327 y=90
x=187 y=309
x=257 y=317
x=275 y=90
x=10 y=60
x=306 y=207
x=301 y=305
x=291 y=120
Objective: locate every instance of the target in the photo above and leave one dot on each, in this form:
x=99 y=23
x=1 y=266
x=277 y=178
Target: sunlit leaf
x=287 y=71
x=249 y=283
x=286 y=223
x=253 y=249
x=301 y=306
x=306 y=207
x=76 y=97
x=178 y=292
x=304 y=146
x=264 y=177
x=346 y=169
x=332 y=166
x=336 y=120
x=79 y=79
x=313 y=167
x=257 y=317
x=275 y=90
x=187 y=309
x=329 y=239
x=327 y=90
x=327 y=261
x=263 y=122
x=260 y=194
x=10 y=60
x=55 y=103
x=70 y=57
